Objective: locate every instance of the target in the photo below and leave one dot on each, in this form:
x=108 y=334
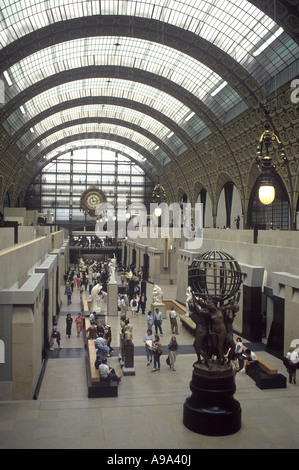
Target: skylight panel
x=7 y=78
x=19 y=18
x=267 y=43
x=163 y=102
x=155 y=58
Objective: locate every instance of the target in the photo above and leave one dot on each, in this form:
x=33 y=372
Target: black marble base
x=266 y=381
x=211 y=409
x=102 y=390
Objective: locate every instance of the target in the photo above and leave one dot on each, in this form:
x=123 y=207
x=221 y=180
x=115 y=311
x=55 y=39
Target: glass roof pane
x=98 y=143
x=137 y=54
x=223 y=22
x=99 y=128
x=106 y=111
x=144 y=94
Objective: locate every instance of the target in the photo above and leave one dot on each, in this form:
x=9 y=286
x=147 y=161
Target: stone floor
x=148 y=412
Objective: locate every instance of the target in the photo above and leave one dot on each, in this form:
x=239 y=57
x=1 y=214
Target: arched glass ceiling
x=235 y=26
x=95 y=87
x=99 y=143
x=120 y=131
x=137 y=54
x=103 y=112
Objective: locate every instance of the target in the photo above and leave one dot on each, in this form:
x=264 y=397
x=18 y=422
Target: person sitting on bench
x=250 y=360
x=101 y=346
x=107 y=373
x=98 y=361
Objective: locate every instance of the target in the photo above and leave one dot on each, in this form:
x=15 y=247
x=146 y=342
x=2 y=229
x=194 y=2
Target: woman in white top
x=292 y=356
x=239 y=352
x=148 y=340
x=107 y=373
x=251 y=360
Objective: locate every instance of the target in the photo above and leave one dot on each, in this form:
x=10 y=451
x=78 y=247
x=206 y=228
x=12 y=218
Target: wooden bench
x=181 y=311
x=84 y=305
x=266 y=367
x=94 y=373
x=265 y=375
x=96 y=388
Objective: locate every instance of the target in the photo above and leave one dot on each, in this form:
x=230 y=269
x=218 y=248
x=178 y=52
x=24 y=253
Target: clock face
x=91 y=199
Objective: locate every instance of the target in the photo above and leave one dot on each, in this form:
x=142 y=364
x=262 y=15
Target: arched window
x=58 y=188
x=6 y=201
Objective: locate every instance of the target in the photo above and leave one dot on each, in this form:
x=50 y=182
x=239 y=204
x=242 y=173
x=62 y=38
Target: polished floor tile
x=148 y=412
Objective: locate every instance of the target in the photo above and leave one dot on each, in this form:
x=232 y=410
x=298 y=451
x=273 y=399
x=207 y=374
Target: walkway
x=148 y=412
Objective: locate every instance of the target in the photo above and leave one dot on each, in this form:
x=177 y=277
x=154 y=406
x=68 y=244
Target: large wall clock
x=90 y=200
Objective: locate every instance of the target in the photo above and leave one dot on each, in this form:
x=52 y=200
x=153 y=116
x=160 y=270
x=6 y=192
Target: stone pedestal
x=128 y=368
x=161 y=306
x=211 y=409
x=112 y=299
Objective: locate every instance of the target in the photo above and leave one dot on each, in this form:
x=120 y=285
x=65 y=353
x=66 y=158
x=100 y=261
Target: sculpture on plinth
x=112 y=267
x=82 y=265
x=95 y=299
x=212 y=303
x=157 y=294
x=127 y=346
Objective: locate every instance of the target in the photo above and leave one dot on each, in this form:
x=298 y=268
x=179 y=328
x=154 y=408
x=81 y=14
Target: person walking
x=173 y=321
x=55 y=337
x=172 y=352
x=69 y=295
x=239 y=352
x=293 y=359
x=69 y=323
x=158 y=321
x=79 y=324
x=134 y=306
x=78 y=283
x=150 y=320
x=148 y=341
x=142 y=303
x=157 y=352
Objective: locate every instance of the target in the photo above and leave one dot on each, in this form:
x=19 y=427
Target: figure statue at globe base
x=212 y=409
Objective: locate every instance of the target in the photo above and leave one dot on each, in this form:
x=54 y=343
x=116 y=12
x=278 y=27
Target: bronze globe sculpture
x=213 y=292
x=216 y=275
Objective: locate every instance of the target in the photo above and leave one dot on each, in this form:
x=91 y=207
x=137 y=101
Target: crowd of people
x=98 y=272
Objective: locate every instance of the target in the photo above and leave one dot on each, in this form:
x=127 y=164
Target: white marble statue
x=95 y=299
x=157 y=294
x=112 y=266
x=82 y=265
x=188 y=299
x=129 y=275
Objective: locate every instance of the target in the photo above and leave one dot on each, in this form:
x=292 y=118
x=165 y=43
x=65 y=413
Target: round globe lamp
x=266 y=194
x=158 y=211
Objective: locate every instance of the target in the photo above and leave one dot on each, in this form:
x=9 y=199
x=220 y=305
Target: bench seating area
x=96 y=388
x=181 y=311
x=264 y=374
x=264 y=380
